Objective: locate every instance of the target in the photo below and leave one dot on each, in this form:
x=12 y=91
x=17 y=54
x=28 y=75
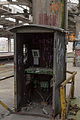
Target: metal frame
x=58 y=69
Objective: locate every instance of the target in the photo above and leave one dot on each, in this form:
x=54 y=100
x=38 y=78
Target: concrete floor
x=73 y=103
x=20 y=117
x=77 y=78
x=6 y=87
x=7 y=93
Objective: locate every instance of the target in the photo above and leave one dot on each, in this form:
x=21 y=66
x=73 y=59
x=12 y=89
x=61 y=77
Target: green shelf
x=39 y=71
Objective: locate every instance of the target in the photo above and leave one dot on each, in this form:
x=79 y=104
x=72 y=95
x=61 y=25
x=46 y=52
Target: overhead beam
x=22 y=3
x=5 y=33
x=4 y=3
x=16 y=3
x=8 y=13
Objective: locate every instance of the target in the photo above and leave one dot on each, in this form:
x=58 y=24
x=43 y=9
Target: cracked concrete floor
x=7 y=93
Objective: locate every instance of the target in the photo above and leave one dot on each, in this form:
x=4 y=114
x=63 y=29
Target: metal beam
x=16 y=3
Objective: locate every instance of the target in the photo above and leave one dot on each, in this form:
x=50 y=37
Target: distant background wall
x=4 y=45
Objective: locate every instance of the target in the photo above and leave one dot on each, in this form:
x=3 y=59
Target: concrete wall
x=77 y=26
x=49 y=12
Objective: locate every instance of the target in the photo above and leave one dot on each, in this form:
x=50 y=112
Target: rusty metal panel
x=49 y=12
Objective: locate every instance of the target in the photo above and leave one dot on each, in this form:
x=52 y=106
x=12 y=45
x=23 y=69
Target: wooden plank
x=68 y=101
x=69 y=72
x=63 y=103
x=66 y=81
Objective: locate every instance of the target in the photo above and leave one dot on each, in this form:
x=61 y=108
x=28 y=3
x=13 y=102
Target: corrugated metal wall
x=49 y=12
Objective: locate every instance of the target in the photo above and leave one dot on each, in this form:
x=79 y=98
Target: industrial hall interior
x=39 y=59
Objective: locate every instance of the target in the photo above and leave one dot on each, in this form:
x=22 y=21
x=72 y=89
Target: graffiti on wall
x=57 y=8
x=77 y=53
x=55 y=14
x=46 y=19
x=60 y=55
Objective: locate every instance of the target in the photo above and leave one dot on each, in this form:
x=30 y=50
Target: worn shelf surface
x=39 y=71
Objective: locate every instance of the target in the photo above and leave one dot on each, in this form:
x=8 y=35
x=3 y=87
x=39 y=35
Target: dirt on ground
x=7 y=94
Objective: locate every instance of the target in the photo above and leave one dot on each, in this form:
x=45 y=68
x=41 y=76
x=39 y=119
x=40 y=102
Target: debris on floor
x=45 y=111
x=37 y=108
x=74 y=109
x=2 y=116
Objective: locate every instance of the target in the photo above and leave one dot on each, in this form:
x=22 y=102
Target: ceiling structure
x=22 y=16
x=10 y=15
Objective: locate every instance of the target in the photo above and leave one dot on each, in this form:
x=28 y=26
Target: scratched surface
x=34 y=42
x=49 y=12
x=60 y=71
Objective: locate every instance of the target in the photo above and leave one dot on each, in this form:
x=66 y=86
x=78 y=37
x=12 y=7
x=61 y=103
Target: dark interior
x=42 y=42
x=37 y=66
